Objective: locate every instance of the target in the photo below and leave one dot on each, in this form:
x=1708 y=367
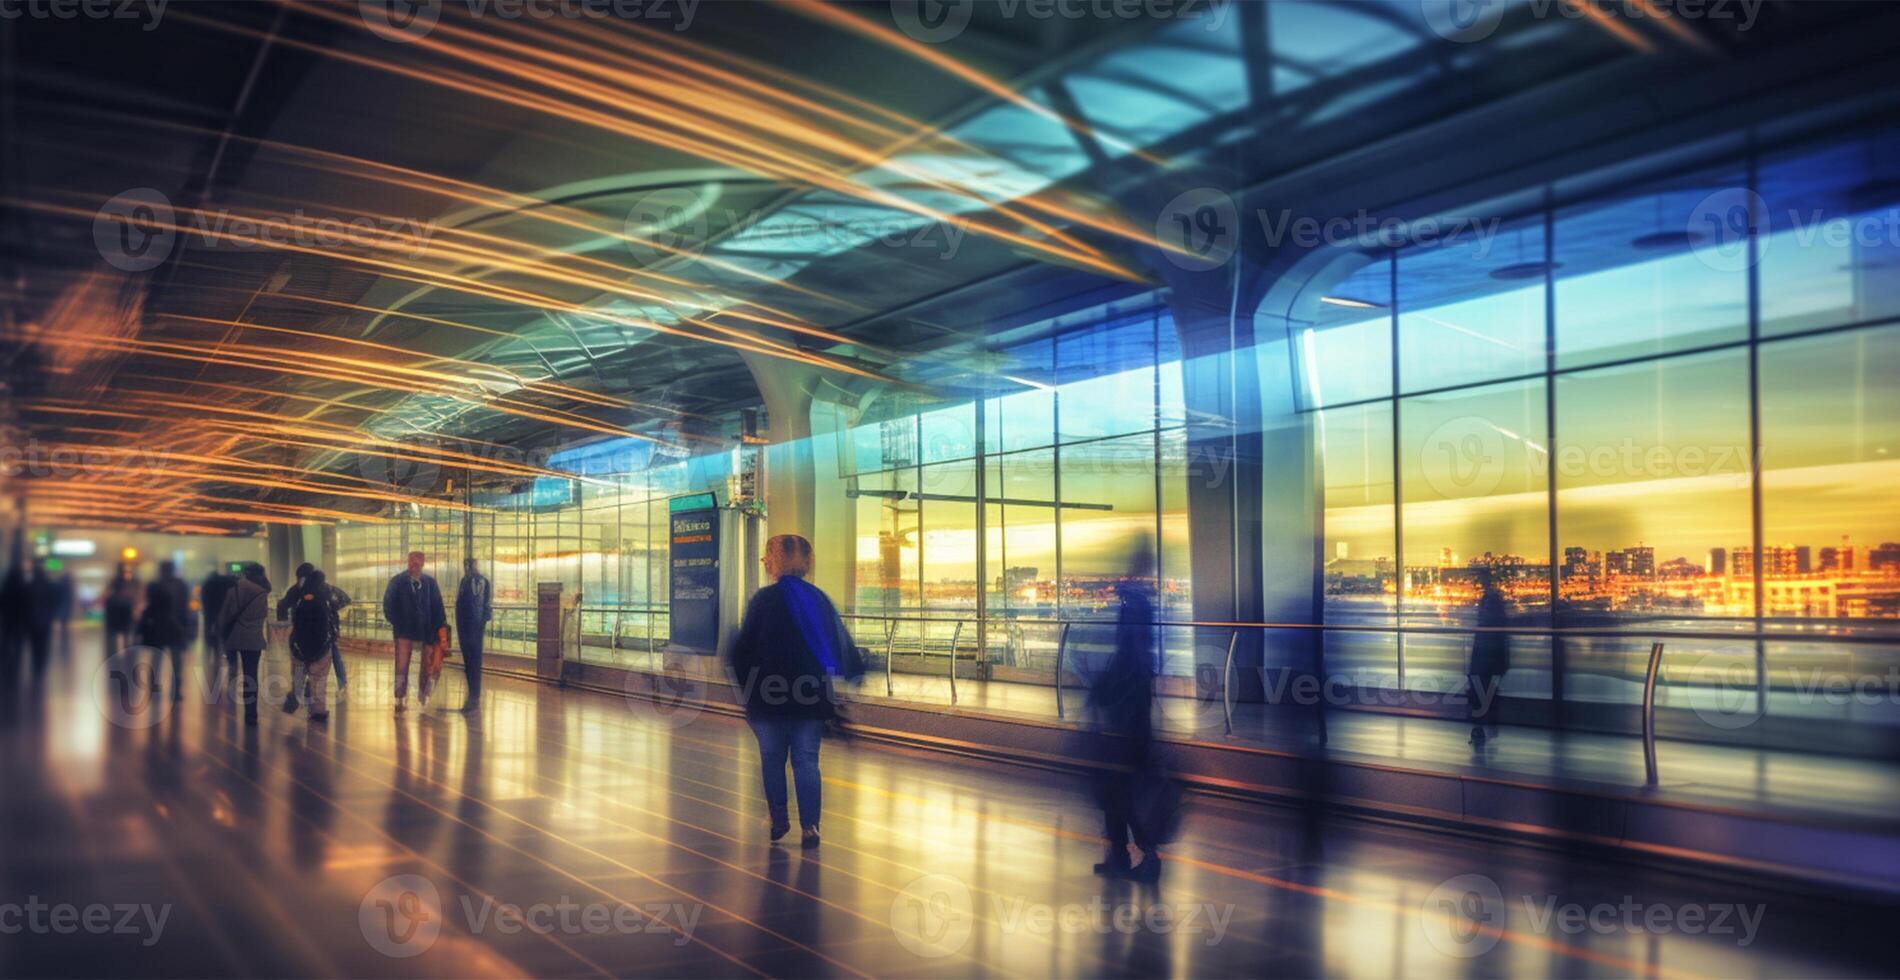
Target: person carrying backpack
x=312 y=632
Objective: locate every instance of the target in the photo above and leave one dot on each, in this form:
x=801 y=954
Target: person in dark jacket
x=790 y=644
x=179 y=592
x=121 y=607
x=1120 y=706
x=15 y=619
x=412 y=605
x=474 y=607
x=159 y=628
x=211 y=593
x=313 y=627
x=241 y=629
x=42 y=595
x=1490 y=658
x=337 y=599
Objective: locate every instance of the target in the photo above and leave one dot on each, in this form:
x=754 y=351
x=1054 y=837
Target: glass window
x=1023 y=418
x=1472 y=311
x=1108 y=512
x=1645 y=274
x=1653 y=489
x=1022 y=541
x=949 y=537
x=1108 y=379
x=1830 y=254
x=1830 y=458
x=1345 y=353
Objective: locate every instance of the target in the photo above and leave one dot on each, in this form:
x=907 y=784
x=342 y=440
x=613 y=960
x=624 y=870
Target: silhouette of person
x=241 y=628
x=1490 y=658
x=412 y=605
x=790 y=644
x=42 y=609
x=121 y=608
x=160 y=628
x=178 y=594
x=474 y=607
x=211 y=595
x=15 y=615
x=1119 y=707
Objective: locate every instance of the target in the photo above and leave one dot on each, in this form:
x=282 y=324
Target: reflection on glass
x=1653 y=490
x=1345 y=353
x=1644 y=274
x=1830 y=418
x=1108 y=496
x=1473 y=477
x=1472 y=311
x=1831 y=252
x=1360 y=559
x=1108 y=379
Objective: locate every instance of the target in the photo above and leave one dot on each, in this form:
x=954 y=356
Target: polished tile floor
x=566 y=833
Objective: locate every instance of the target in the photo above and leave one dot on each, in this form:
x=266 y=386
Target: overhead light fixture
x=1656 y=241
x=1524 y=270
x=1355 y=304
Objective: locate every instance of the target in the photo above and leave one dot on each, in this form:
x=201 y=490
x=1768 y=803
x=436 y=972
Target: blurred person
x=121 y=607
x=474 y=607
x=15 y=615
x=68 y=593
x=161 y=628
x=1490 y=658
x=42 y=595
x=790 y=644
x=412 y=605
x=179 y=592
x=1120 y=707
x=241 y=630
x=313 y=627
x=337 y=599
x=211 y=593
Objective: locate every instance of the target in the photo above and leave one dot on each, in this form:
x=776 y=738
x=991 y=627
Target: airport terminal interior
x=949 y=488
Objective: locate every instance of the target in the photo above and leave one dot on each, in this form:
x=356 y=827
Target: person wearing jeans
x=412 y=604
x=790 y=644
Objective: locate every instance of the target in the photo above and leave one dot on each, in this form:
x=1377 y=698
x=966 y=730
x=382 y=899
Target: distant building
x=1642 y=561
x=1718 y=561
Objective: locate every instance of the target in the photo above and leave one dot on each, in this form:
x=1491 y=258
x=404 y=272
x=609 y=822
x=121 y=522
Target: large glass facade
x=1670 y=410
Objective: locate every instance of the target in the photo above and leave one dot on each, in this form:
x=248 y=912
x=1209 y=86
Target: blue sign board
x=693 y=593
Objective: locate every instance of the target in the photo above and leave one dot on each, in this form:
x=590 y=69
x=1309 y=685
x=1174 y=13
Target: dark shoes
x=1115 y=866
x=290 y=703
x=811 y=838
x=780 y=827
x=1118 y=866
x=1148 y=870
x=320 y=716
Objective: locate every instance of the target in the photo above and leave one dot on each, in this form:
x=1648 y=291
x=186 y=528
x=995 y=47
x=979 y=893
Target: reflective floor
x=568 y=833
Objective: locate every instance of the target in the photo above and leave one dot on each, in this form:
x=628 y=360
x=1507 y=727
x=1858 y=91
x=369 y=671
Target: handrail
x=890 y=653
x=1739 y=636
x=1649 y=712
x=1062 y=643
x=1226 y=687
x=955 y=635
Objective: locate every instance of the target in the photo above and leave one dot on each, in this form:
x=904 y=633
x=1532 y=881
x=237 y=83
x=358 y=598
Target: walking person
x=42 y=596
x=474 y=607
x=161 y=628
x=1120 y=707
x=121 y=608
x=313 y=628
x=179 y=593
x=1490 y=659
x=790 y=644
x=412 y=605
x=211 y=593
x=337 y=599
x=241 y=630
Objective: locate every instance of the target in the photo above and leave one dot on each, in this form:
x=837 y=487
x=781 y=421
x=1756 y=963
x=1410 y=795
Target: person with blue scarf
x=790 y=644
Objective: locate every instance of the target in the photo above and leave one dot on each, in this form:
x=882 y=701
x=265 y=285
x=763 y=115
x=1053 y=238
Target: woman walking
x=790 y=645
x=241 y=625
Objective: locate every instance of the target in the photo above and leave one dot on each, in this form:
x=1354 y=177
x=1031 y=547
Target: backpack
x=310 y=626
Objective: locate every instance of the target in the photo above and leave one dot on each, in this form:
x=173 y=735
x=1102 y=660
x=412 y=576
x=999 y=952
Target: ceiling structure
x=259 y=257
